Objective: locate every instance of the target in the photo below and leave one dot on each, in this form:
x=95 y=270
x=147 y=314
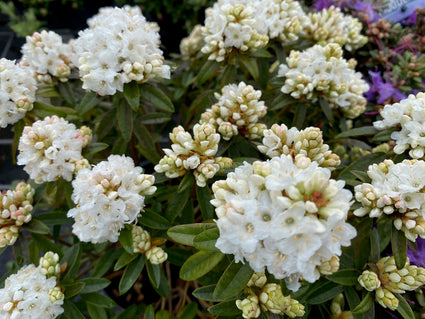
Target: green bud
x=369 y=280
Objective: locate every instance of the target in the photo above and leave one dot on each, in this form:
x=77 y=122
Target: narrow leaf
x=226 y=308
x=157 y=97
x=146 y=145
x=208 y=70
x=358 y=131
x=99 y=300
x=131 y=273
x=72 y=289
x=176 y=204
x=72 y=258
x=364 y=305
x=71 y=311
x=375 y=248
x=205 y=293
x=203 y=194
x=345 y=277
x=207 y=239
x=88 y=102
x=251 y=66
x=124 y=260
x=153 y=220
x=187 y=182
x=154 y=273
x=399 y=247
x=37 y=226
x=94 y=148
x=300 y=114
x=189 y=312
x=94 y=284
x=96 y=312
x=105 y=262
x=154 y=118
x=46 y=245
x=126 y=239
x=125 y=120
x=361 y=164
x=233 y=280
x=149 y=313
x=185 y=234
x=200 y=264
x=404 y=308
x=326 y=108
x=132 y=95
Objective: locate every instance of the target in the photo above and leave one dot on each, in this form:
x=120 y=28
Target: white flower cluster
x=396 y=190
x=32 y=294
x=47 y=56
x=50 y=149
x=193 y=43
x=284 y=215
x=108 y=196
x=117 y=49
x=322 y=71
x=15 y=210
x=280 y=140
x=281 y=19
x=230 y=25
x=332 y=26
x=17 y=92
x=409 y=115
x=237 y=111
x=195 y=154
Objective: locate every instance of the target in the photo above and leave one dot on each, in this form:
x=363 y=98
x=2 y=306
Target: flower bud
x=249 y=307
x=369 y=280
x=156 y=255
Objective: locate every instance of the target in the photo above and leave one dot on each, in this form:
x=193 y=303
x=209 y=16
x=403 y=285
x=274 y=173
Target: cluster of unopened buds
x=237 y=111
x=15 y=208
x=195 y=154
x=280 y=140
x=386 y=280
x=267 y=297
x=143 y=244
x=336 y=308
x=395 y=190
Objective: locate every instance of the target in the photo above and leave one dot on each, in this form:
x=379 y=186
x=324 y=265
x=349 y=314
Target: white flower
x=323 y=71
x=117 y=49
x=49 y=149
x=46 y=54
x=27 y=294
x=17 y=92
x=408 y=116
x=108 y=196
x=282 y=217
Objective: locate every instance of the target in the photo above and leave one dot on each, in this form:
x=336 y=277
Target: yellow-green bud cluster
x=49 y=264
x=330 y=266
x=250 y=307
x=332 y=26
x=258 y=279
x=337 y=306
x=15 y=210
x=388 y=280
x=195 y=154
x=273 y=300
x=280 y=140
x=237 y=111
x=193 y=43
x=56 y=294
x=86 y=134
x=142 y=243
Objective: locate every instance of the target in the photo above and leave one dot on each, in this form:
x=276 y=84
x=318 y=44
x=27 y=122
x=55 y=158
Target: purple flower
x=418 y=258
x=365 y=7
x=411 y=20
x=384 y=90
x=319 y=5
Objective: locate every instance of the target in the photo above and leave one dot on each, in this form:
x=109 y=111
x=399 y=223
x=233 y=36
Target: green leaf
x=233 y=280
x=157 y=97
x=94 y=284
x=96 y=312
x=361 y=164
x=107 y=122
x=326 y=108
x=154 y=118
x=105 y=262
x=55 y=218
x=72 y=258
x=205 y=293
x=281 y=101
x=364 y=305
x=164 y=289
x=226 y=308
x=176 y=255
x=37 y=226
x=124 y=260
x=208 y=70
x=98 y=300
x=384 y=225
x=251 y=66
x=300 y=113
x=65 y=90
x=134 y=311
x=94 y=148
x=375 y=248
x=162 y=314
x=207 y=239
x=46 y=245
x=42 y=110
x=131 y=273
x=262 y=53
x=146 y=145
x=149 y=312
x=88 y=102
x=404 y=308
x=203 y=194
x=185 y=234
x=126 y=239
x=187 y=182
x=73 y=288
x=189 y=312
x=351 y=296
x=176 y=204
x=125 y=120
x=323 y=291
x=154 y=273
x=200 y=264
x=358 y=131
x=382 y=136
x=153 y=220
x=345 y=277
x=71 y=311
x=132 y=95
x=229 y=75
x=47 y=91
x=399 y=247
